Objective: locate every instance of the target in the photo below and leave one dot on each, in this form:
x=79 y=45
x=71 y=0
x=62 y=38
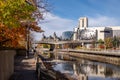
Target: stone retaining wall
x=6 y=63
x=101 y=58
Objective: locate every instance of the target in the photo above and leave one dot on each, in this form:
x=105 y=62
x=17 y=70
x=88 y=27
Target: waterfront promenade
x=96 y=52
x=24 y=68
x=112 y=57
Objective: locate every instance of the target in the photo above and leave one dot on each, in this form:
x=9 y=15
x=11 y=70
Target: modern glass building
x=67 y=35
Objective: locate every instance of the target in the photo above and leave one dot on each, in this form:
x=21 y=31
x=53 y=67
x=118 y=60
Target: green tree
x=100 y=41
x=15 y=18
x=101 y=44
x=115 y=42
x=46 y=46
x=108 y=42
x=13 y=11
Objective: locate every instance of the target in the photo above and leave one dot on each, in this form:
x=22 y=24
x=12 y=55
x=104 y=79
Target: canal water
x=81 y=69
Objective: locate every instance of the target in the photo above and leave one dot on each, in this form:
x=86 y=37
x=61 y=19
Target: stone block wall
x=6 y=63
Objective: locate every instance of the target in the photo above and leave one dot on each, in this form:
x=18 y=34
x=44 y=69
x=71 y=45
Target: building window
x=105 y=31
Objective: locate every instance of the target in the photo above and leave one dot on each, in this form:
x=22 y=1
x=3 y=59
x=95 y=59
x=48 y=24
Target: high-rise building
x=83 y=32
x=83 y=22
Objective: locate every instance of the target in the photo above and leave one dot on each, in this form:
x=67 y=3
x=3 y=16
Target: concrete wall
x=100 y=35
x=6 y=63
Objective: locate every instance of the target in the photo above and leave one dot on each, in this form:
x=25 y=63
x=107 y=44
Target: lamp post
x=26 y=24
x=28 y=40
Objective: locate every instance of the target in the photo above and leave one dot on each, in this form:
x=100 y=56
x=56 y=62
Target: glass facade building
x=67 y=35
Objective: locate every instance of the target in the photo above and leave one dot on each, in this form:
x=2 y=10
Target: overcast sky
x=64 y=15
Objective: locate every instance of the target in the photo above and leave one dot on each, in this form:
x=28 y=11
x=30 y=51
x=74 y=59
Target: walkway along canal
x=111 y=57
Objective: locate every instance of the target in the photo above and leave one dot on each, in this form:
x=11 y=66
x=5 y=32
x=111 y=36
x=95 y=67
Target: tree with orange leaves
x=10 y=37
x=12 y=13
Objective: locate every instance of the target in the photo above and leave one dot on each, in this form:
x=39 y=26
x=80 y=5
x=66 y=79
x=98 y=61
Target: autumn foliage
x=16 y=37
x=17 y=18
x=10 y=37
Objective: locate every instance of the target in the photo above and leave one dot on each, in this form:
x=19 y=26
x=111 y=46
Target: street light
x=26 y=24
x=28 y=42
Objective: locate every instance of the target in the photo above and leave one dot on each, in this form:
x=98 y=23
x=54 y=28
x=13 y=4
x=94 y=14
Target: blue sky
x=64 y=14
x=74 y=9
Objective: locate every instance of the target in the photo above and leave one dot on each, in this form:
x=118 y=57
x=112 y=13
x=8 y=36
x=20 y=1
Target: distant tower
x=75 y=34
x=83 y=22
x=54 y=36
x=43 y=36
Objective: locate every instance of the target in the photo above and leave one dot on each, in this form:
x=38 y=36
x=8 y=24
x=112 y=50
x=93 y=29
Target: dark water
x=87 y=70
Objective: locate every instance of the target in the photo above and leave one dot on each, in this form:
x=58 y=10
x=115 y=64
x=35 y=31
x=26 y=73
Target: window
x=105 y=31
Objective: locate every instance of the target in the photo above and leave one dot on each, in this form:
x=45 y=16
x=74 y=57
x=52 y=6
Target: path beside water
x=25 y=68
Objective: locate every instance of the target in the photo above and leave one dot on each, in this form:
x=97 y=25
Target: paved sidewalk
x=25 y=68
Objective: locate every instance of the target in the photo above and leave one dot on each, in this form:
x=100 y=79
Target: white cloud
x=53 y=23
x=100 y=20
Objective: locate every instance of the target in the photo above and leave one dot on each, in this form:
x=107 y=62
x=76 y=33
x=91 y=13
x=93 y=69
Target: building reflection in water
x=86 y=70
x=89 y=71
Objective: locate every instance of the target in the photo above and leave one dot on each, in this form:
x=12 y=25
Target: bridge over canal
x=53 y=44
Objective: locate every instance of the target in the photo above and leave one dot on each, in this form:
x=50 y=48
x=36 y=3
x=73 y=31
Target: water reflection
x=64 y=68
x=86 y=70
